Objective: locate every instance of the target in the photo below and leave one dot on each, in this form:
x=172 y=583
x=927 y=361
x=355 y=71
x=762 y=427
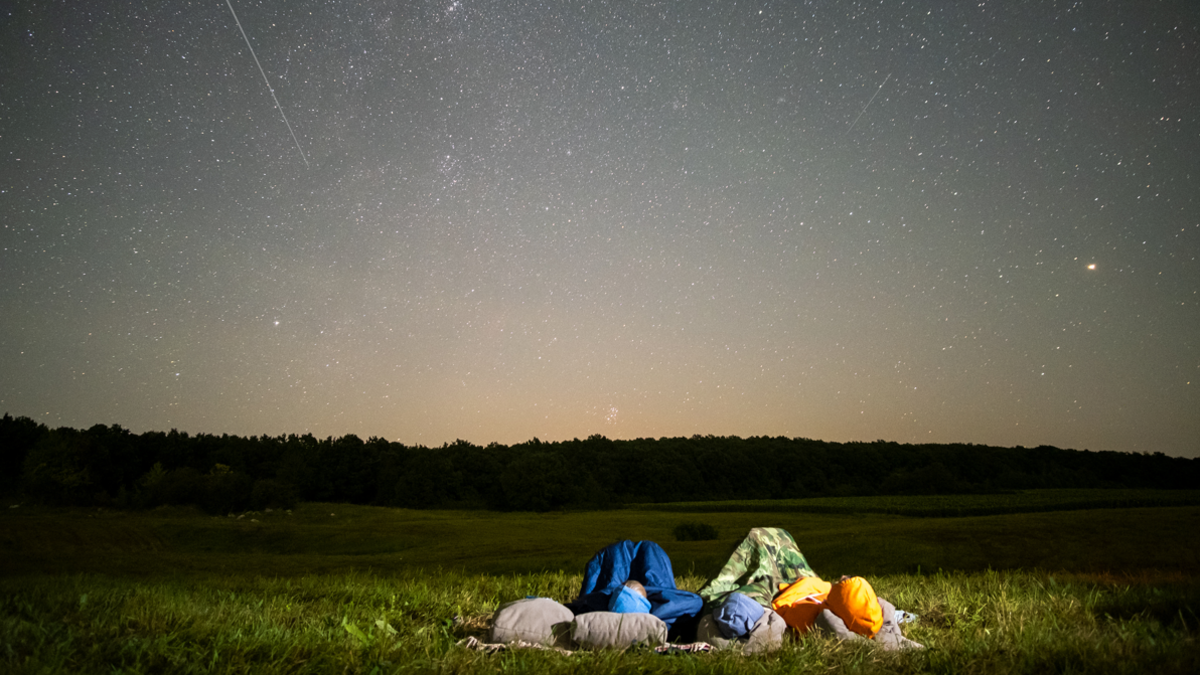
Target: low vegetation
x=342 y=588
x=694 y=532
x=935 y=506
x=989 y=622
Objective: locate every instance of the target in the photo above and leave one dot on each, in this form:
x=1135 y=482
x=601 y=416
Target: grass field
x=337 y=588
x=934 y=506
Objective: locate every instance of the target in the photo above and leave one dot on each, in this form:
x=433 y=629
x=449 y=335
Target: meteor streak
x=868 y=105
x=264 y=74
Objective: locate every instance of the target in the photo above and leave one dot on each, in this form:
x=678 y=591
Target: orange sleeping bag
x=801 y=602
x=853 y=601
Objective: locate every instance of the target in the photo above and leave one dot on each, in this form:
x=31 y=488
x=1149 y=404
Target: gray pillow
x=600 y=630
x=888 y=638
x=767 y=634
x=830 y=623
x=539 y=620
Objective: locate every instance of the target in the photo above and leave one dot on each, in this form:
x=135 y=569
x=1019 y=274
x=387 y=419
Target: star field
x=911 y=221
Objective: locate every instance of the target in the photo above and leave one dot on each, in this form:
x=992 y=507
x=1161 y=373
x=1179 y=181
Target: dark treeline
x=110 y=466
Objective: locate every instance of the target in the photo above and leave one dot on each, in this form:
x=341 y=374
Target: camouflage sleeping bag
x=766 y=558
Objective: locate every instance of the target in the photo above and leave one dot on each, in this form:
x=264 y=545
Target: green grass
x=980 y=622
x=378 y=590
x=933 y=506
x=385 y=540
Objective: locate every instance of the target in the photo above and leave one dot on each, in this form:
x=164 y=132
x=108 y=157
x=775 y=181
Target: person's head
x=629 y=598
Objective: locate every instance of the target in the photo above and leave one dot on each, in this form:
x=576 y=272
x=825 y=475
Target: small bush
x=694 y=532
x=226 y=491
x=218 y=492
x=181 y=486
x=272 y=493
x=58 y=470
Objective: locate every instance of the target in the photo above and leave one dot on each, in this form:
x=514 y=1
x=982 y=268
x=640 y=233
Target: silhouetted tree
x=17 y=437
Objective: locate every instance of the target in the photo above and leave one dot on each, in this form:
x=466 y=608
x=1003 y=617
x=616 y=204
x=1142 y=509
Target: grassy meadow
x=338 y=588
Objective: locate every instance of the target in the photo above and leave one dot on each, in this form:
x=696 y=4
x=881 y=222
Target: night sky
x=917 y=221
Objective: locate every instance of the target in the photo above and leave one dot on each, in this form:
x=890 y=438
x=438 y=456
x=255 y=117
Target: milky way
x=636 y=219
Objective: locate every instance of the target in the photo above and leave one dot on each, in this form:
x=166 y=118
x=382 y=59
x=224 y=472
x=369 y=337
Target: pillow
x=707 y=631
x=766 y=635
x=889 y=637
x=538 y=620
x=829 y=622
x=854 y=602
x=600 y=630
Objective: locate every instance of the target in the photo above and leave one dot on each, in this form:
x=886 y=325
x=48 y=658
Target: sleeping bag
x=643 y=561
x=854 y=602
x=767 y=559
x=800 y=603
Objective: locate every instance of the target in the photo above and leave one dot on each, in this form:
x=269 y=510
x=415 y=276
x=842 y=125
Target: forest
x=109 y=466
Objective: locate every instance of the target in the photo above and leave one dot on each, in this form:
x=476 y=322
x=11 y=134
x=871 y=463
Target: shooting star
x=264 y=74
x=868 y=105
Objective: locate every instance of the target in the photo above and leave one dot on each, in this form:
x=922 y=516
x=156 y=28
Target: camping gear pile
x=765 y=589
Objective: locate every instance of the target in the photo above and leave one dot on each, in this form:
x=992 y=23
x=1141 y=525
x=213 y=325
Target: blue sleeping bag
x=643 y=561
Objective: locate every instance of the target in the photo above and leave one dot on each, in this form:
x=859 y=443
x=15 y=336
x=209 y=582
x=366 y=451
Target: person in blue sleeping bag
x=646 y=564
x=630 y=598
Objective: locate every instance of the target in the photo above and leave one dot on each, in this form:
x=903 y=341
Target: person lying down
x=628 y=598
x=767 y=588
